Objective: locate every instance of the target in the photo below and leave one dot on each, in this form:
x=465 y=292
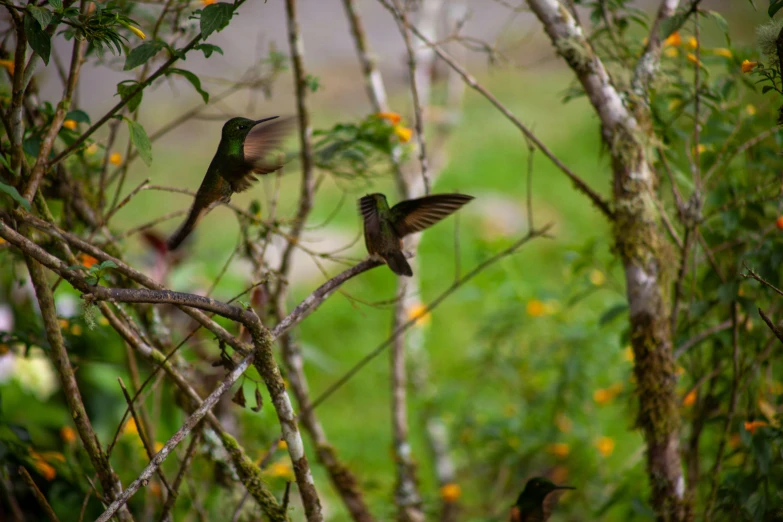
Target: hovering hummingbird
x=385 y=227
x=532 y=504
x=242 y=154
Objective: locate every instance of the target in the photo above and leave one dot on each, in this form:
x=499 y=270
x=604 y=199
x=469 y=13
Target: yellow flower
x=722 y=51
x=628 y=354
x=748 y=66
x=43 y=467
x=138 y=32
x=671 y=52
x=403 y=133
x=597 y=277
x=67 y=434
x=115 y=158
x=558 y=449
x=130 y=427
x=420 y=313
x=282 y=445
x=281 y=470
x=674 y=39
x=63 y=323
x=602 y=396
x=563 y=423
x=92 y=149
x=70 y=124
x=158 y=446
x=8 y=65
x=450 y=492
x=750 y=109
x=103 y=321
x=535 y=308
x=393 y=117
x=701 y=148
x=689 y=399
x=605 y=446
x=76 y=329
x=87 y=260
x=693 y=43
x=692 y=58
x=752 y=426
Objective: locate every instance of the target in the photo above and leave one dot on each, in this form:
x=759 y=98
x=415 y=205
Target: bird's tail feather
x=186 y=228
x=398 y=264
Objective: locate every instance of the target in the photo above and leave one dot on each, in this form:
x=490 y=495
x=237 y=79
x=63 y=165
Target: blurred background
x=529 y=365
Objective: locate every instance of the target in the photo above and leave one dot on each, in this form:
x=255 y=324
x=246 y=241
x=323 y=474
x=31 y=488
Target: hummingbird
x=385 y=227
x=532 y=504
x=243 y=153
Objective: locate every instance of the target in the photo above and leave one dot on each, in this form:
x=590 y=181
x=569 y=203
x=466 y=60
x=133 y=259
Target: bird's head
x=537 y=489
x=238 y=128
x=378 y=198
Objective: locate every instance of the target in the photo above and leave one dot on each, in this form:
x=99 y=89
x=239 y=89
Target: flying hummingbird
x=243 y=153
x=385 y=227
x=533 y=504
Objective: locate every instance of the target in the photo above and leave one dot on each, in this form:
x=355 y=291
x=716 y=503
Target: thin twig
x=50 y=514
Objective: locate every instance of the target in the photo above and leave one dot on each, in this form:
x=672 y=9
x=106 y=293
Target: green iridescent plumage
x=243 y=153
x=385 y=227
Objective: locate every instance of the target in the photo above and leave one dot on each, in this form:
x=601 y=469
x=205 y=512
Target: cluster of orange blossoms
x=403 y=133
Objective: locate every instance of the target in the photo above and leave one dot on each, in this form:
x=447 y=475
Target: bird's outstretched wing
x=262 y=152
x=369 y=211
x=415 y=215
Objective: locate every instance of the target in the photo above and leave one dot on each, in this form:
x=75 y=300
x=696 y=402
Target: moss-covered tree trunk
x=639 y=243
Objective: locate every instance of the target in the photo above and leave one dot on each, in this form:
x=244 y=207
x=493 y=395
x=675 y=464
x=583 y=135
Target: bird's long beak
x=265 y=119
x=565 y=487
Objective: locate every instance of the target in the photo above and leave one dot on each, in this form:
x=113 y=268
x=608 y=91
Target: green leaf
x=774 y=7
x=124 y=89
x=766 y=89
x=671 y=24
x=215 y=17
x=140 y=140
x=313 y=82
x=43 y=16
x=91 y=280
x=5 y=163
x=193 y=79
x=79 y=116
x=722 y=24
x=11 y=191
x=107 y=264
x=56 y=4
x=140 y=55
x=39 y=40
x=612 y=314
x=208 y=49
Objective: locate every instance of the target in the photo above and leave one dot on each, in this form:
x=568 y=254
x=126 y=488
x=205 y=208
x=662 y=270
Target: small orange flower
x=87 y=260
x=692 y=58
x=115 y=158
x=67 y=434
x=282 y=445
x=403 y=133
x=689 y=399
x=602 y=396
x=722 y=51
x=779 y=223
x=281 y=470
x=693 y=43
x=605 y=446
x=76 y=329
x=752 y=426
x=450 y=492
x=420 y=313
x=558 y=449
x=535 y=308
x=70 y=124
x=63 y=323
x=393 y=117
x=158 y=446
x=43 y=467
x=208 y=2
x=130 y=427
x=747 y=66
x=674 y=39
x=8 y=65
